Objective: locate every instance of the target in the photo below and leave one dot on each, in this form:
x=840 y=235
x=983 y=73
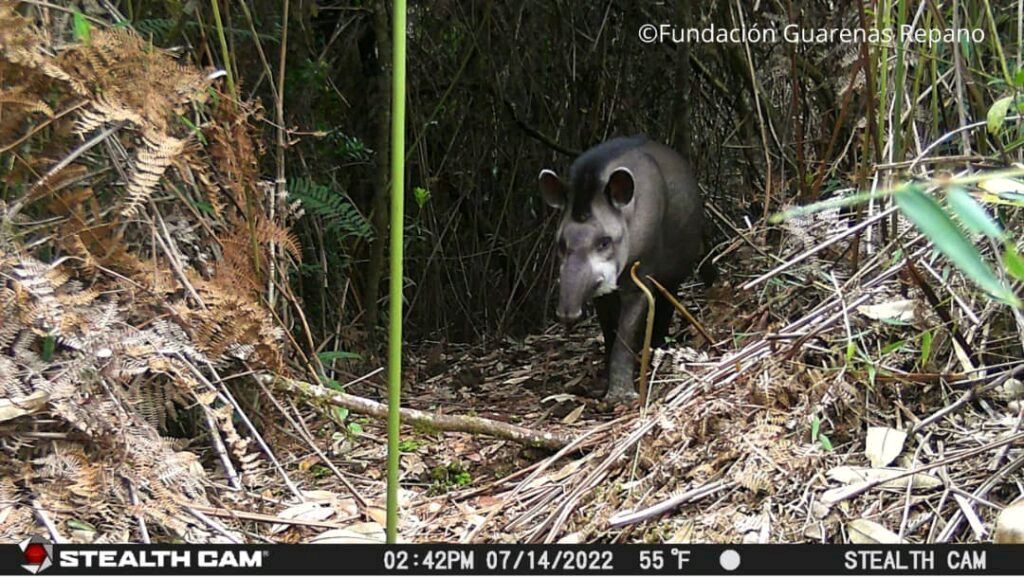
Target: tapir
x=625 y=200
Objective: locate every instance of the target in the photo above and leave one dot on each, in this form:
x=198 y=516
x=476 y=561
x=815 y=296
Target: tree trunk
x=382 y=144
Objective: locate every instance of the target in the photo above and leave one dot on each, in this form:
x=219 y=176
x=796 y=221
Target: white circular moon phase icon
x=730 y=560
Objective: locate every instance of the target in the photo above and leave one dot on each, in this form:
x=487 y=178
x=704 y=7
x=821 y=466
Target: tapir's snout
x=569 y=317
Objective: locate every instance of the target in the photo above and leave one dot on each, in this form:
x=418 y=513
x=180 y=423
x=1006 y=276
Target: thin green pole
x=225 y=54
x=395 y=293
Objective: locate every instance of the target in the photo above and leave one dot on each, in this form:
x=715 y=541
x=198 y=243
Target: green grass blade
x=971 y=213
x=935 y=224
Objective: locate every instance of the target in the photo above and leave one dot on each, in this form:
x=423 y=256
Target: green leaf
x=326 y=357
x=1013 y=262
x=997 y=114
x=49 y=345
x=926 y=348
x=355 y=428
x=851 y=350
x=83 y=30
x=892 y=347
x=421 y=196
x=1018 y=78
x=815 y=427
x=972 y=213
x=935 y=224
x=825 y=442
x=872 y=373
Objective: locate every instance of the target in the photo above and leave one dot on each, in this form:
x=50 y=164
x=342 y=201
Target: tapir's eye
x=603 y=243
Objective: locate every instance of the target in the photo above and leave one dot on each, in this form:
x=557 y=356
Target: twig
x=304 y=432
x=221 y=451
x=465 y=424
x=827 y=243
x=858 y=489
x=936 y=305
x=686 y=314
x=536 y=134
x=266 y=518
x=16 y=207
x=645 y=352
x=143 y=531
x=220 y=529
x=47 y=522
x=624 y=519
x=226 y=397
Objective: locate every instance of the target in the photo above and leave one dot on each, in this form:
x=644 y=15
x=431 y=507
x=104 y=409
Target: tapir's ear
x=620 y=187
x=552 y=189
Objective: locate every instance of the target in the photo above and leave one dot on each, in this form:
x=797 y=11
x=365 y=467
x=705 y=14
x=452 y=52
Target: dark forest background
x=499 y=90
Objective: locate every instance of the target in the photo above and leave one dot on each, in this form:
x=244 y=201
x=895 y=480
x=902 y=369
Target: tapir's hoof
x=622 y=397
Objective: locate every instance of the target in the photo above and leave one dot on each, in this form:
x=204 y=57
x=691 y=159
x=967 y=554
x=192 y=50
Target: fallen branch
x=459 y=423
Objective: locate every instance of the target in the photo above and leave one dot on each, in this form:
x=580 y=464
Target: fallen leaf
x=12 y=407
x=855 y=474
x=901 y=310
x=558 y=398
x=972 y=517
x=1010 y=524
x=306 y=511
x=361 y=533
x=883 y=445
x=574 y=415
x=863 y=531
x=379 y=515
x=573 y=538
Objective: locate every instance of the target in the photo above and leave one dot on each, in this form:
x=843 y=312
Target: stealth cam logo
x=38 y=552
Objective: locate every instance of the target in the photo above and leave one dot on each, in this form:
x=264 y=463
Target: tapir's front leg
x=628 y=341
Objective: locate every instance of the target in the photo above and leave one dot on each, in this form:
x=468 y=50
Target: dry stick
x=668 y=505
x=935 y=303
x=143 y=531
x=47 y=522
x=213 y=524
x=984 y=384
x=465 y=424
x=538 y=468
x=954 y=522
x=280 y=182
x=761 y=121
x=849 y=232
x=304 y=433
x=16 y=207
x=686 y=314
x=225 y=396
x=858 y=489
x=645 y=353
x=221 y=450
x=266 y=518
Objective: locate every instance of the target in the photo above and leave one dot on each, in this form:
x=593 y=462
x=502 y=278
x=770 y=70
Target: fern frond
x=150 y=165
x=339 y=214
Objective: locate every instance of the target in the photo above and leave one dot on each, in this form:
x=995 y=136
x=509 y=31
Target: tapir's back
x=682 y=221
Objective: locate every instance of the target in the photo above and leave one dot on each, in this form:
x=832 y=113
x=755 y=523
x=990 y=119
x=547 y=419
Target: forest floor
x=782 y=431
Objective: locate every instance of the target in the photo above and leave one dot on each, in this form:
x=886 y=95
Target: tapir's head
x=592 y=239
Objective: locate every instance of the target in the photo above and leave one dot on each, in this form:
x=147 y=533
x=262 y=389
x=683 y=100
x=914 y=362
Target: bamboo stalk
x=395 y=294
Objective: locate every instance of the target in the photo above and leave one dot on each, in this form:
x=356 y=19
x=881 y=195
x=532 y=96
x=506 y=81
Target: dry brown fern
x=107 y=332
